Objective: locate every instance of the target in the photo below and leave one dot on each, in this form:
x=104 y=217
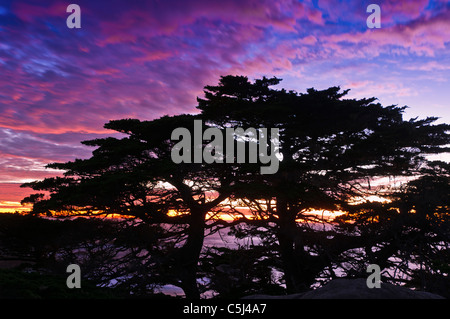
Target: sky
x=146 y=59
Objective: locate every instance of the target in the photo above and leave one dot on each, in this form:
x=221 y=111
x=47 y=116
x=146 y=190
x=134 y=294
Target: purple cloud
x=145 y=59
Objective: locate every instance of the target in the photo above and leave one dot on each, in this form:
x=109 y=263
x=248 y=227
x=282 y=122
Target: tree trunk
x=190 y=254
x=285 y=238
x=299 y=267
x=289 y=256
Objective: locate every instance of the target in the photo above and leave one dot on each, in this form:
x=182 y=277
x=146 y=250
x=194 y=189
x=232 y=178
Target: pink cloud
x=388 y=88
x=391 y=10
x=150 y=58
x=128 y=64
x=428 y=66
x=11 y=191
x=28 y=12
x=168 y=17
x=153 y=56
x=308 y=40
x=423 y=37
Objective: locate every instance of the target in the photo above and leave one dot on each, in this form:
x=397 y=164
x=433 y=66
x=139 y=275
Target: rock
x=355 y=289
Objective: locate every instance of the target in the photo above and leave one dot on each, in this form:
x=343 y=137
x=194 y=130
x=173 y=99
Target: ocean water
x=220 y=238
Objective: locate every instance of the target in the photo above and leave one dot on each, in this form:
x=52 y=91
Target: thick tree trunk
x=190 y=254
x=298 y=270
x=292 y=270
x=286 y=243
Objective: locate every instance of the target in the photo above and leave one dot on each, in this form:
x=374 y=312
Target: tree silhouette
x=413 y=228
x=330 y=145
x=330 y=148
x=135 y=176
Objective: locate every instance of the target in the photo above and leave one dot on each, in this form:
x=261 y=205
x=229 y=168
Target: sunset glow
x=145 y=59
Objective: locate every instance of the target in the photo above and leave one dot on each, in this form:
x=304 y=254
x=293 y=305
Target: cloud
x=392 y=11
x=424 y=36
x=32 y=10
x=429 y=66
x=152 y=18
x=46 y=147
x=145 y=59
x=363 y=89
x=10 y=196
